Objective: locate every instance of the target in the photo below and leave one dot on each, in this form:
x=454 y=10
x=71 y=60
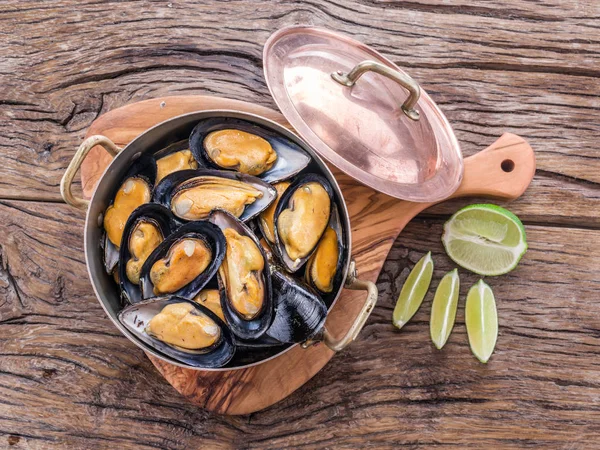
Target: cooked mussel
x=235 y=144
x=145 y=229
x=324 y=268
x=244 y=279
x=134 y=191
x=174 y=158
x=184 y=262
x=301 y=218
x=238 y=150
x=182 y=329
x=266 y=219
x=299 y=311
x=193 y=194
x=211 y=299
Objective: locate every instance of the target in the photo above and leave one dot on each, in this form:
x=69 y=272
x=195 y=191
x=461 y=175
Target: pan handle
x=80 y=154
x=352 y=282
x=404 y=80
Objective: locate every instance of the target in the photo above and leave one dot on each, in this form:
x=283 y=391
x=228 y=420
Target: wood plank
x=68 y=378
x=487 y=74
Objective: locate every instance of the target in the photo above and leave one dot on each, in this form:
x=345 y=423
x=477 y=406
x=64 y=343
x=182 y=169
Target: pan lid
x=362 y=113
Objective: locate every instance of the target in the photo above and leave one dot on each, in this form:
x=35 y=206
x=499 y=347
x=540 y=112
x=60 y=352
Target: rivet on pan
x=100 y=219
x=136 y=156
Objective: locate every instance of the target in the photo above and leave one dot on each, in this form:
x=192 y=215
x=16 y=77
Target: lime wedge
x=485 y=239
x=443 y=309
x=413 y=292
x=481 y=320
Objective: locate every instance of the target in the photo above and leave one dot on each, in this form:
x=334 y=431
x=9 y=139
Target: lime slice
x=481 y=320
x=443 y=309
x=413 y=292
x=485 y=239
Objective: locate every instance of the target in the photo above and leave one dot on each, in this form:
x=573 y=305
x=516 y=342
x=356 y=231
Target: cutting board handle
x=503 y=170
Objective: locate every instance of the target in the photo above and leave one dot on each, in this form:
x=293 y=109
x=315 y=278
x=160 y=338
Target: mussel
x=244 y=279
x=299 y=311
x=324 y=268
x=193 y=194
x=301 y=218
x=211 y=299
x=182 y=329
x=239 y=145
x=184 y=262
x=134 y=191
x=174 y=158
x=145 y=229
x=266 y=219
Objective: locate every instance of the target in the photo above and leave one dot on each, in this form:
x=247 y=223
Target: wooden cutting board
x=503 y=170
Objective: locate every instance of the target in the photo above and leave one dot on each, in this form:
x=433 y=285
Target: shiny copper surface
x=361 y=129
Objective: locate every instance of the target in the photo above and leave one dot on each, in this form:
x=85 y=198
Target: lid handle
x=408 y=107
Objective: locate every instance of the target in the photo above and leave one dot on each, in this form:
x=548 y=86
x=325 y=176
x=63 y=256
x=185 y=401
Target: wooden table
x=69 y=379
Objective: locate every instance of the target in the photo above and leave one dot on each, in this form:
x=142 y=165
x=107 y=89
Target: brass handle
x=352 y=282
x=408 y=107
x=80 y=154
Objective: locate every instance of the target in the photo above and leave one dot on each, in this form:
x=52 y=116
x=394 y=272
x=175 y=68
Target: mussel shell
x=289 y=264
x=336 y=225
x=169 y=185
x=291 y=159
x=159 y=216
x=245 y=329
x=299 y=311
x=110 y=254
x=136 y=317
x=210 y=234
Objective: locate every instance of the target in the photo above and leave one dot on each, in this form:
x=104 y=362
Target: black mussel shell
x=336 y=225
x=173 y=148
x=242 y=328
x=289 y=264
x=159 y=216
x=245 y=355
x=136 y=317
x=299 y=311
x=264 y=341
x=210 y=234
x=291 y=159
x=170 y=185
x=110 y=254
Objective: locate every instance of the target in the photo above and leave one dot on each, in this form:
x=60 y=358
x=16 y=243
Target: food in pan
x=239 y=150
x=200 y=285
x=267 y=217
x=185 y=260
x=133 y=192
x=192 y=194
x=174 y=162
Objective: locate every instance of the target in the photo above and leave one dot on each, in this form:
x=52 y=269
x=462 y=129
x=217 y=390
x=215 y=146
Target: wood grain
x=69 y=379
x=530 y=68
x=488 y=74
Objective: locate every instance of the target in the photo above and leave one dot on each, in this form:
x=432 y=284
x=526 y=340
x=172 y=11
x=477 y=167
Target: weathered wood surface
x=69 y=379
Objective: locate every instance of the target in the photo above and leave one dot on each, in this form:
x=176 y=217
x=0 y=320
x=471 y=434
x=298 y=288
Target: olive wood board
x=502 y=171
